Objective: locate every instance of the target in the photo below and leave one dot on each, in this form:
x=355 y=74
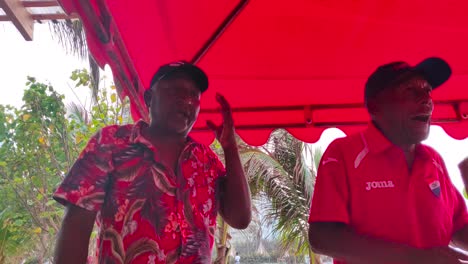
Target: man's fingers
x=455 y=253
x=460 y=255
x=222 y=101
x=225 y=109
x=463 y=164
x=211 y=126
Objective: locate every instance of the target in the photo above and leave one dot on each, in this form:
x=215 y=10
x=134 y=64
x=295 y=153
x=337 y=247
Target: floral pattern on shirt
x=146 y=212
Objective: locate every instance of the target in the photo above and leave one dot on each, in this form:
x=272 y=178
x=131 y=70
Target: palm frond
x=95 y=78
x=78 y=113
x=71 y=35
x=285 y=178
x=283 y=173
x=318 y=153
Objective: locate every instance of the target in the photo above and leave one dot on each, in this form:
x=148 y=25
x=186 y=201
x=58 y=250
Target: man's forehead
x=176 y=84
x=177 y=78
x=415 y=81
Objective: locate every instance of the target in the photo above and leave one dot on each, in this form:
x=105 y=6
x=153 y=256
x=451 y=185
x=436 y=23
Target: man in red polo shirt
x=154 y=192
x=381 y=196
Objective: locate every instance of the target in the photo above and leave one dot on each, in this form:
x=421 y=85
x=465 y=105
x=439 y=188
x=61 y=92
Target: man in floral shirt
x=153 y=191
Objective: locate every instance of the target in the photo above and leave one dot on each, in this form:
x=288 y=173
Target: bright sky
x=42 y=58
x=46 y=60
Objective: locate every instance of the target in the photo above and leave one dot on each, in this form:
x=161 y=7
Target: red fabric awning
x=299 y=65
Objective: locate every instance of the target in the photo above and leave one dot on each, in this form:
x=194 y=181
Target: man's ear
x=147 y=97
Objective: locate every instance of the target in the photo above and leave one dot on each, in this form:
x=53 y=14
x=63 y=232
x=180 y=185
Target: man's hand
x=463 y=166
x=339 y=241
x=235 y=202
x=441 y=255
x=225 y=132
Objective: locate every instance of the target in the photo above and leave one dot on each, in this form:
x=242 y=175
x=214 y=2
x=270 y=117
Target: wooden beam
x=42 y=17
x=57 y=16
x=20 y=17
x=42 y=3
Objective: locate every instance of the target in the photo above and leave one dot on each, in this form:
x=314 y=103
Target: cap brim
x=436 y=71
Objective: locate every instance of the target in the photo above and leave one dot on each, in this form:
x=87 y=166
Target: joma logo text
x=379 y=185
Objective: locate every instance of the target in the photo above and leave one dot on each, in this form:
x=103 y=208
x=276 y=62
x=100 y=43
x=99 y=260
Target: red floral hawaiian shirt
x=146 y=212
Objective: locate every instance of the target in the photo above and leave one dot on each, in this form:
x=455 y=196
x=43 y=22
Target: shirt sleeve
x=331 y=193
x=85 y=184
x=460 y=214
x=219 y=167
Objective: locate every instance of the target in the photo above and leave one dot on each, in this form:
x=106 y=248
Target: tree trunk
x=221 y=255
x=314 y=258
x=222 y=251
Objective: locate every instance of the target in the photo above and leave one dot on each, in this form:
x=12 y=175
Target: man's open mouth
x=421 y=118
x=184 y=114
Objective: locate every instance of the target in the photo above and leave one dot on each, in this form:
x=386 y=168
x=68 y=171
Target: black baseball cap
x=192 y=71
x=434 y=70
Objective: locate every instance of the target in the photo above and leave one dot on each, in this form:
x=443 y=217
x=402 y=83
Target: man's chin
x=420 y=136
x=181 y=130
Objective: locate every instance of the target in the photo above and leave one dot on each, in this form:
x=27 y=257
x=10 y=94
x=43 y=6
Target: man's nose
x=425 y=98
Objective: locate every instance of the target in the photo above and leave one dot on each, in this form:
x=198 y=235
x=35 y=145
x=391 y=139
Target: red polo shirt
x=363 y=181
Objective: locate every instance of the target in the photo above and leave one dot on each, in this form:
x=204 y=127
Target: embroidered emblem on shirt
x=435 y=187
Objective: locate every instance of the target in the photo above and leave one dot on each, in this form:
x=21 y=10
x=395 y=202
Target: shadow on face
x=403 y=111
x=174 y=103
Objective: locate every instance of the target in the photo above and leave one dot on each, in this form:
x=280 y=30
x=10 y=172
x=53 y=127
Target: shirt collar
x=376 y=141
x=137 y=137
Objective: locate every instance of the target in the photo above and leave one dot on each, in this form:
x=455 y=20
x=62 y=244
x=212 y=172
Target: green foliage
x=38 y=144
x=278 y=171
x=34 y=150
x=107 y=110
x=281 y=183
x=12 y=229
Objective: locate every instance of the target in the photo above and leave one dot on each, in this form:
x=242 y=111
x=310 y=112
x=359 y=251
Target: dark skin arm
x=73 y=237
x=460 y=238
x=341 y=242
x=235 y=204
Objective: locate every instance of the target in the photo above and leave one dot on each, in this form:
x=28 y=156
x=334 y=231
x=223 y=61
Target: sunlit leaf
x=26 y=117
x=113 y=98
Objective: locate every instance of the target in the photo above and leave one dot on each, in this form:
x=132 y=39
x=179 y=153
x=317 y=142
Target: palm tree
x=71 y=35
x=279 y=171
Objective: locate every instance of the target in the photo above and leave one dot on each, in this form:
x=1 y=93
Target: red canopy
x=299 y=65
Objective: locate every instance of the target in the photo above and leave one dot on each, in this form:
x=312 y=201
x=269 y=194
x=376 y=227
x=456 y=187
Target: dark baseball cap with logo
x=435 y=71
x=190 y=70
